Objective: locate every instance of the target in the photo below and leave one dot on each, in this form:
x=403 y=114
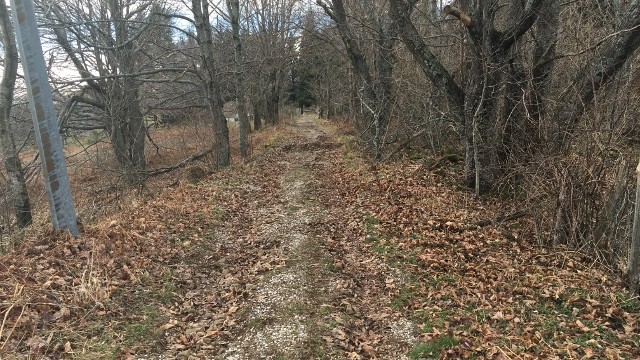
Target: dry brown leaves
x=170 y=274
x=487 y=290
x=164 y=275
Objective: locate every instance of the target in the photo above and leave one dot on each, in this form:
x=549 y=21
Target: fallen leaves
x=497 y=295
x=172 y=274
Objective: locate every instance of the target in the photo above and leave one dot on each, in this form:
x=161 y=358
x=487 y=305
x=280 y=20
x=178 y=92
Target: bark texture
x=15 y=173
x=375 y=93
x=234 y=13
x=474 y=104
x=200 y=11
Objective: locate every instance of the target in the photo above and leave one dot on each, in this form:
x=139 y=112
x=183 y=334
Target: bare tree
x=200 y=10
x=107 y=38
x=233 y=7
x=474 y=104
x=12 y=163
x=272 y=27
x=375 y=88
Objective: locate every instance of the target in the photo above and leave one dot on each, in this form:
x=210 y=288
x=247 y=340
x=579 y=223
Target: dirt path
x=304 y=251
x=281 y=315
x=300 y=311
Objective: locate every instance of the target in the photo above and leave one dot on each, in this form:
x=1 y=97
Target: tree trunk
x=385 y=44
x=517 y=130
x=272 y=100
x=430 y=65
x=480 y=116
x=634 y=254
x=441 y=78
x=15 y=173
x=257 y=114
x=127 y=133
x=200 y=11
x=375 y=101
x=330 y=110
x=520 y=130
x=234 y=13
x=543 y=59
x=127 y=129
x=599 y=70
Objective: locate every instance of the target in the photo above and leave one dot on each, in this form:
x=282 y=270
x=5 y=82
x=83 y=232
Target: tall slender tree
x=233 y=7
x=200 y=10
x=375 y=87
x=15 y=173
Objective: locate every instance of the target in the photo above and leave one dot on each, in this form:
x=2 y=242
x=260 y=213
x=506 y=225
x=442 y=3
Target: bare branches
x=523 y=24
x=181 y=164
x=426 y=59
x=457 y=13
x=327 y=9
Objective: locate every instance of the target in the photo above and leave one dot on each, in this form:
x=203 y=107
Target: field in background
x=96 y=182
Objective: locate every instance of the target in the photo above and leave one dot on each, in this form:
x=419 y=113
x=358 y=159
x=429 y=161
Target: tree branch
x=181 y=164
x=429 y=63
x=523 y=24
x=327 y=10
x=457 y=13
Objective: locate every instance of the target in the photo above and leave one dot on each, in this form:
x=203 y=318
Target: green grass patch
x=432 y=321
x=583 y=340
x=432 y=350
x=441 y=280
x=350 y=151
x=143 y=330
x=273 y=141
x=316 y=347
x=404 y=298
x=482 y=315
x=628 y=303
x=166 y=294
x=551 y=327
x=370 y=224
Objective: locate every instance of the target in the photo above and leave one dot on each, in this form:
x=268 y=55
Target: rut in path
x=295 y=312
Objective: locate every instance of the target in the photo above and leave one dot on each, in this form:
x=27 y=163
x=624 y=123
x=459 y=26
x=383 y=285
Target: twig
x=181 y=164
x=504 y=353
x=452 y=158
x=12 y=328
x=4 y=320
x=597 y=44
x=404 y=144
x=16 y=292
x=500 y=219
x=146 y=130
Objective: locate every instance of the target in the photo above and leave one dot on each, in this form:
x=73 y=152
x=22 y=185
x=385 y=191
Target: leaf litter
x=307 y=252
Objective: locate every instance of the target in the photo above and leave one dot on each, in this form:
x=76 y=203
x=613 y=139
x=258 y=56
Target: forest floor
x=306 y=251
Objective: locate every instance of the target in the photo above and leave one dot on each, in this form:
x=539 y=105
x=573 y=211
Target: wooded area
x=530 y=103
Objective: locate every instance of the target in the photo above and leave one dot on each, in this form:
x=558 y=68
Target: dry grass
x=89 y=297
